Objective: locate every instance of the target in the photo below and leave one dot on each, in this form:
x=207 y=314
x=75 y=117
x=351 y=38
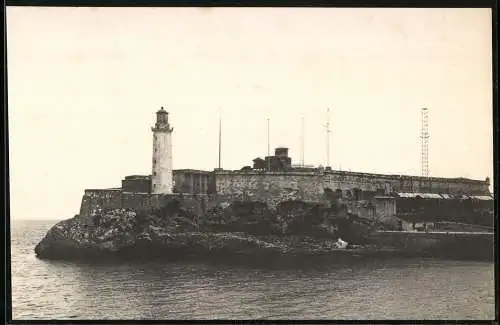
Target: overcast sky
x=84 y=83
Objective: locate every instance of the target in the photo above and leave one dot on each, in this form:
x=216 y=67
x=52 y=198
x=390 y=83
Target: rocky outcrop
x=241 y=231
x=246 y=229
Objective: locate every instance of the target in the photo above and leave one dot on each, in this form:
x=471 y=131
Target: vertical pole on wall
x=268 y=148
x=220 y=139
x=302 y=143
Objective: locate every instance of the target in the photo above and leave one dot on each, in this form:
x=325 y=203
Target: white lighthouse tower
x=161 y=179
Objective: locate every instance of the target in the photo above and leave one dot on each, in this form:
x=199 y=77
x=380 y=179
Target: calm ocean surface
x=397 y=289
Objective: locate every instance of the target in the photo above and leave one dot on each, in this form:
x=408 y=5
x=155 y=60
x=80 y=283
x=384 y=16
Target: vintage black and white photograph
x=264 y=163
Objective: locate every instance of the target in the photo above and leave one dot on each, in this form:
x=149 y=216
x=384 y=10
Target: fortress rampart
x=367 y=195
x=274 y=179
x=401 y=183
x=95 y=199
x=273 y=187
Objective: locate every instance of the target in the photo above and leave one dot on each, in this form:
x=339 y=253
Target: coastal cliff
x=240 y=231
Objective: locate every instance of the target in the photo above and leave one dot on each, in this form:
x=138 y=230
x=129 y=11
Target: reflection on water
x=396 y=289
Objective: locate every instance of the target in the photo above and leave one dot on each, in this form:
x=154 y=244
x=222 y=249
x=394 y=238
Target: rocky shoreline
x=243 y=232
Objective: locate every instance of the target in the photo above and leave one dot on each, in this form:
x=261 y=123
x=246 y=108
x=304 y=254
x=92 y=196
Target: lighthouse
x=161 y=179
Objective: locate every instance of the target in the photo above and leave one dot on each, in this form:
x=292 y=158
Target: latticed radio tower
x=424 y=138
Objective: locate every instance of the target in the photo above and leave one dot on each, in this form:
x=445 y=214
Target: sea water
x=389 y=289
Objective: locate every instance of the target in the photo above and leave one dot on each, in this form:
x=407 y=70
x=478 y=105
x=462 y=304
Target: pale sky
x=84 y=84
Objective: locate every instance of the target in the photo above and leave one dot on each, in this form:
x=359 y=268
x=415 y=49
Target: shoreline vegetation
x=295 y=232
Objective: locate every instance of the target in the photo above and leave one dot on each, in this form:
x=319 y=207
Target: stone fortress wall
x=366 y=195
x=202 y=190
x=273 y=187
x=94 y=200
x=274 y=179
x=269 y=187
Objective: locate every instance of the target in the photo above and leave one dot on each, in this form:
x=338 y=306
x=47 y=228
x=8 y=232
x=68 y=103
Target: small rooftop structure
x=162 y=111
x=281 y=152
x=137 y=183
x=138 y=177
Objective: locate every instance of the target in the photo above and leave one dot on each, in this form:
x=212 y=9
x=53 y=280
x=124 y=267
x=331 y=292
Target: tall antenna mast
x=302 y=143
x=268 y=145
x=424 y=141
x=220 y=139
x=328 y=137
x=268 y=148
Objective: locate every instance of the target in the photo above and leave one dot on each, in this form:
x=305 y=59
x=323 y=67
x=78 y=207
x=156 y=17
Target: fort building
x=274 y=179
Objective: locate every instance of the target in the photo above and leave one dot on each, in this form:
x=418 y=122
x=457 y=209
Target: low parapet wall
x=472 y=244
x=95 y=199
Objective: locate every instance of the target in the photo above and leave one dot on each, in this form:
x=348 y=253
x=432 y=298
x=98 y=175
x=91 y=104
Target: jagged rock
x=241 y=216
x=89 y=235
x=247 y=229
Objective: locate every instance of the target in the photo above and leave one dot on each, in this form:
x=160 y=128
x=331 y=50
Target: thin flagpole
x=328 y=138
x=268 y=147
x=220 y=140
x=302 y=144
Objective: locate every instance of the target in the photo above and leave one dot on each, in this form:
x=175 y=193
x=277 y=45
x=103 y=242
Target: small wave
x=396 y=289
